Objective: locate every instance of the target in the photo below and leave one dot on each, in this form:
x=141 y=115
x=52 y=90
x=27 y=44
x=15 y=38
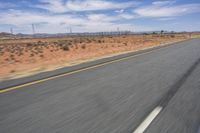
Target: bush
x=12 y=56
x=41 y=56
x=31 y=55
x=83 y=46
x=12 y=71
x=39 y=43
x=65 y=48
x=125 y=44
x=172 y=36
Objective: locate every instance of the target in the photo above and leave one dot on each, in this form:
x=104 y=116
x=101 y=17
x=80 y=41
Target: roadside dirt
x=22 y=57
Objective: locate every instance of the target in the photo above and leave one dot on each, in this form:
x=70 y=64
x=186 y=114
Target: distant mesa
x=5 y=34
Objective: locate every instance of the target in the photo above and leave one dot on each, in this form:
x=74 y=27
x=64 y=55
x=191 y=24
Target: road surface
x=156 y=91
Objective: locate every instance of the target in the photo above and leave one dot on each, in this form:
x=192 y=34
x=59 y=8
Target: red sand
x=25 y=55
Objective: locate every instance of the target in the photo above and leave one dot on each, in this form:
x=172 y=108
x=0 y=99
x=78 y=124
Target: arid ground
x=20 y=57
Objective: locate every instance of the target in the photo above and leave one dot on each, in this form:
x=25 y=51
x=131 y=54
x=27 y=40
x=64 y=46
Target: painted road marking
x=147 y=121
x=70 y=73
x=76 y=71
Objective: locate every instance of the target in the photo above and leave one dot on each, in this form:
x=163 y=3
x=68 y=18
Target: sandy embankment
x=23 y=57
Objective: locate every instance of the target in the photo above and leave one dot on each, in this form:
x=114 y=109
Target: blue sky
x=57 y=16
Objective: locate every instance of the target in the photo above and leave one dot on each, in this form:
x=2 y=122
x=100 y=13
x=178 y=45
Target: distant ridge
x=5 y=35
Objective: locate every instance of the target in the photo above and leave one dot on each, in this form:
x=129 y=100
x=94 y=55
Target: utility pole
x=33 y=28
x=70 y=30
x=132 y=31
x=11 y=30
x=118 y=31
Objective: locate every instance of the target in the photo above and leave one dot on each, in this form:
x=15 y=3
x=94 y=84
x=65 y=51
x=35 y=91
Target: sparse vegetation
x=17 y=53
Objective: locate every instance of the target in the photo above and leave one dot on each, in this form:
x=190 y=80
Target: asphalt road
x=117 y=97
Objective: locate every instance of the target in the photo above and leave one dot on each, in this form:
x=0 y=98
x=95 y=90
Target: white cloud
x=127 y=16
x=167 y=10
x=101 y=18
x=119 y=11
x=58 y=23
x=64 y=14
x=59 y=6
x=170 y=2
x=52 y=5
x=166 y=18
x=16 y=17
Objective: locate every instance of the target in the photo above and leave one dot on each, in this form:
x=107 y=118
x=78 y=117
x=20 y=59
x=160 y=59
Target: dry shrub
x=39 y=43
x=69 y=43
x=172 y=36
x=31 y=55
x=76 y=46
x=125 y=44
x=65 y=48
x=41 y=56
x=76 y=41
x=83 y=46
x=12 y=71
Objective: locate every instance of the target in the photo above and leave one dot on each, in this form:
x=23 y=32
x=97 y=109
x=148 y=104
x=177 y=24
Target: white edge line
x=147 y=121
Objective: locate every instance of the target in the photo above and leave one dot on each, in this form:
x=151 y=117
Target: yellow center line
x=69 y=73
